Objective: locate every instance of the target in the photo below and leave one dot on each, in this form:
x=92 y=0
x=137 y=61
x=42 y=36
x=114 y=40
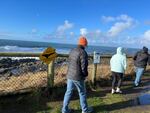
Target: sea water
x=38 y=47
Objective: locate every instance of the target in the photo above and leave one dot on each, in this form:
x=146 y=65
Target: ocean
x=37 y=47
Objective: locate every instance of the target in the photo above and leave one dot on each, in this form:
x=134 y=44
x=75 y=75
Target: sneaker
x=112 y=91
x=90 y=110
x=69 y=111
x=118 y=90
x=136 y=85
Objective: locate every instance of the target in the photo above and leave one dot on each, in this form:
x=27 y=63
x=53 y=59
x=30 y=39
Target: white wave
x=19 y=49
x=8 y=47
x=18 y=58
x=27 y=49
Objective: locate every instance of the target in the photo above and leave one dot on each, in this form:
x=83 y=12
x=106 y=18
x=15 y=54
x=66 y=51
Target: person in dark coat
x=76 y=74
x=141 y=58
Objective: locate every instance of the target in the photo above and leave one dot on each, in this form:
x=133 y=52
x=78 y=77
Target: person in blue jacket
x=118 y=66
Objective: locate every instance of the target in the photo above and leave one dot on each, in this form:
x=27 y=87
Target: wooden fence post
x=96 y=60
x=94 y=74
x=50 y=75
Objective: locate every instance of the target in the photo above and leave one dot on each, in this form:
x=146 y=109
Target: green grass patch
x=100 y=104
x=37 y=103
x=147 y=74
x=101 y=100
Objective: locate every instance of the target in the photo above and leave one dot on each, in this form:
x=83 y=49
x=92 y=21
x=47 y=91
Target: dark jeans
x=117 y=79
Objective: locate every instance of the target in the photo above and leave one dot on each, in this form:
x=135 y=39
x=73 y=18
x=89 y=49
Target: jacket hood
x=120 y=50
x=145 y=49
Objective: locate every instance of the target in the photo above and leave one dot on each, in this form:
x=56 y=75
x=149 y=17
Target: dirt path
x=101 y=100
x=139 y=97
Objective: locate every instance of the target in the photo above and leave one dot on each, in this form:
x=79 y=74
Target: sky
x=103 y=22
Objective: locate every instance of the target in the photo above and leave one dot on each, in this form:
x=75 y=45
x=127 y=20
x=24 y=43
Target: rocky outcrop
x=17 y=67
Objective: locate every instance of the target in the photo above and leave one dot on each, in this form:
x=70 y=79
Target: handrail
x=21 y=54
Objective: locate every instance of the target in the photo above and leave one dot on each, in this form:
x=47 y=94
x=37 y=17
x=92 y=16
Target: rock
x=16 y=72
x=19 y=67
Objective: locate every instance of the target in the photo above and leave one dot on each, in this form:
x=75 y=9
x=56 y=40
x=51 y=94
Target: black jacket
x=141 y=58
x=78 y=64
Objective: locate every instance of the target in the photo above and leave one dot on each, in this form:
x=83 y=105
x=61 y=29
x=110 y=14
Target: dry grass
x=23 y=82
x=103 y=71
x=60 y=75
x=30 y=80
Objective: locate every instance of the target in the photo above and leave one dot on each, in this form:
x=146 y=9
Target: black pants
x=117 y=79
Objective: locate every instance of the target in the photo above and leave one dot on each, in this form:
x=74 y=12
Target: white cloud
x=91 y=34
x=130 y=40
x=147 y=22
x=62 y=32
x=147 y=35
x=92 y=41
x=34 y=30
x=119 y=24
x=118 y=27
x=83 y=31
x=67 y=25
x=4 y=33
x=137 y=41
x=123 y=22
x=145 y=38
x=95 y=34
x=124 y=17
x=71 y=33
x=98 y=31
x=107 y=19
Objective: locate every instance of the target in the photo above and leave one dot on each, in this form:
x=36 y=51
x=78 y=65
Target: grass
x=16 y=83
x=40 y=103
x=101 y=100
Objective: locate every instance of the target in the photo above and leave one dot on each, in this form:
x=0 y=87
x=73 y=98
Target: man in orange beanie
x=76 y=74
x=82 y=41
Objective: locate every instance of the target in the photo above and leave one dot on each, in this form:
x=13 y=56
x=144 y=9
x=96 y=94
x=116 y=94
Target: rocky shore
x=17 y=67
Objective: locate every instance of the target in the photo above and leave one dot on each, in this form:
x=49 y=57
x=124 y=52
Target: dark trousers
x=117 y=79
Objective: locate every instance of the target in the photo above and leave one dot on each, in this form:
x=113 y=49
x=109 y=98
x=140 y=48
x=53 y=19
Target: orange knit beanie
x=82 y=41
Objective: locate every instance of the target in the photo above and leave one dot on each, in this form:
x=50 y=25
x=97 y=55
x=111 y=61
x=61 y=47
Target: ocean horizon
x=37 y=47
